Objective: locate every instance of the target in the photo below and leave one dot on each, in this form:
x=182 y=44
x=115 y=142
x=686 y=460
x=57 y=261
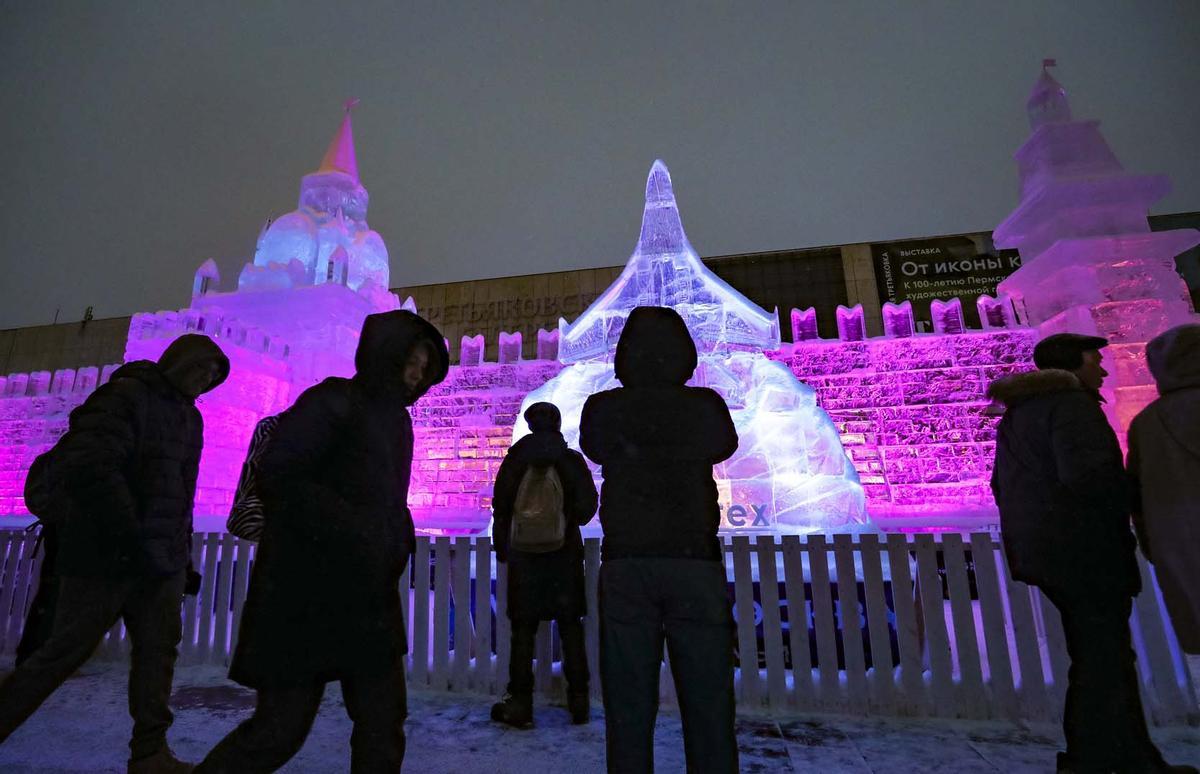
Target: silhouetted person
x=1164 y=459
x=663 y=574
x=1063 y=496
x=323 y=602
x=128 y=462
x=547 y=490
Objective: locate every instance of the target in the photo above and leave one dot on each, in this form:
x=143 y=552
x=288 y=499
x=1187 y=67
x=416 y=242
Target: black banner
x=924 y=270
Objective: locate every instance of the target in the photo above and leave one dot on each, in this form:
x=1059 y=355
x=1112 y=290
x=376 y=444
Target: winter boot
x=579 y=704
x=515 y=710
x=161 y=762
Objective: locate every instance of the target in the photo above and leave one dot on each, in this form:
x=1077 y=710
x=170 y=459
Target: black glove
x=191 y=587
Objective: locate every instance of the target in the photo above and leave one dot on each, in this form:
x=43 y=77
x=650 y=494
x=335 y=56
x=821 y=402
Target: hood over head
x=384 y=346
x=1174 y=358
x=1014 y=388
x=189 y=349
x=543 y=418
x=655 y=349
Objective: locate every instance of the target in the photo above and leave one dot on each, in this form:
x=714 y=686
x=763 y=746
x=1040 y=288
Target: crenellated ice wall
x=910 y=413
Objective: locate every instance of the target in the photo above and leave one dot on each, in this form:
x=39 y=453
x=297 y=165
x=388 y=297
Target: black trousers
x=520 y=660
x=645 y=602
x=377 y=705
x=85 y=609
x=1103 y=720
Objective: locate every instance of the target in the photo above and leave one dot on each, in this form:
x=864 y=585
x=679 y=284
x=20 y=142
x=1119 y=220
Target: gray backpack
x=539 y=524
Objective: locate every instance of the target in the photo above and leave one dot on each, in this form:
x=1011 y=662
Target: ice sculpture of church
x=790 y=473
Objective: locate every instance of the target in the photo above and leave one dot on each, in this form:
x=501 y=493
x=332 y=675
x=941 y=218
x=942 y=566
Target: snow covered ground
x=84 y=728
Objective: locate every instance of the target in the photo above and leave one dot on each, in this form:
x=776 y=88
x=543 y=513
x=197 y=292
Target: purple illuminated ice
x=790 y=469
x=1090 y=263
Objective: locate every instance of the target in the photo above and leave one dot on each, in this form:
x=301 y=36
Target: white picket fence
x=936 y=625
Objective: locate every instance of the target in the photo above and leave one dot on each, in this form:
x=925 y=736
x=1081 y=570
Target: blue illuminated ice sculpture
x=790 y=473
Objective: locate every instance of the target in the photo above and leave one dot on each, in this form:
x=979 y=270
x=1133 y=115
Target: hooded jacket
x=130 y=458
x=657 y=441
x=1164 y=461
x=323 y=600
x=1060 y=485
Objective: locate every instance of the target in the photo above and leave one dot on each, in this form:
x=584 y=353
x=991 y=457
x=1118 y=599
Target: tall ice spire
x=665 y=270
x=340 y=156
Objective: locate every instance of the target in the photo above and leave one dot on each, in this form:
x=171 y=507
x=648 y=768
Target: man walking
x=324 y=602
x=128 y=463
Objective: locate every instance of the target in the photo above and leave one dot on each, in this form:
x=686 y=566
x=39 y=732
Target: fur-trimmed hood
x=1015 y=388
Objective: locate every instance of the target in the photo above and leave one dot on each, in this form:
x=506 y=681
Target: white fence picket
x=882 y=674
x=771 y=624
x=439 y=677
x=419 y=676
x=797 y=612
x=913 y=696
x=972 y=702
x=481 y=680
x=829 y=686
x=747 y=639
x=463 y=633
x=937 y=639
x=991 y=609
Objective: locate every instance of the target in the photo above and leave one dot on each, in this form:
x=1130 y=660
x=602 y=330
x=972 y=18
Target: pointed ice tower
x=790 y=473
x=1090 y=263
x=332 y=214
x=664 y=270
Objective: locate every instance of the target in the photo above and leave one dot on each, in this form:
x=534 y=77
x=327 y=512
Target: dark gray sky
x=139 y=139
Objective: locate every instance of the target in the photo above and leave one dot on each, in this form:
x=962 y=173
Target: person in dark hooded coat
x=663 y=574
x=544 y=586
x=1060 y=485
x=1164 y=459
x=129 y=461
x=323 y=602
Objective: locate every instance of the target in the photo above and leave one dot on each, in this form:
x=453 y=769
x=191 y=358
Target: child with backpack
x=544 y=492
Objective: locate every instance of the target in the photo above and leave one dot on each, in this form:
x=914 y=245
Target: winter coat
x=129 y=459
x=657 y=441
x=1164 y=460
x=323 y=601
x=548 y=585
x=1060 y=485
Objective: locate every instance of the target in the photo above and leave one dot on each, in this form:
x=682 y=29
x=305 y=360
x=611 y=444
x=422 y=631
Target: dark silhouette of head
x=400 y=356
x=1073 y=352
x=655 y=349
x=1174 y=358
x=194 y=364
x=543 y=418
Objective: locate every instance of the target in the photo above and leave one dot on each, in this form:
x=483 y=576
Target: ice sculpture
x=329 y=224
x=790 y=473
x=1090 y=263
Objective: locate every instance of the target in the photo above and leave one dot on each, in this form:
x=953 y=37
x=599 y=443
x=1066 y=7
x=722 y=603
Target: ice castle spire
x=662 y=230
x=340 y=156
x=1047 y=102
x=332 y=213
x=665 y=270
